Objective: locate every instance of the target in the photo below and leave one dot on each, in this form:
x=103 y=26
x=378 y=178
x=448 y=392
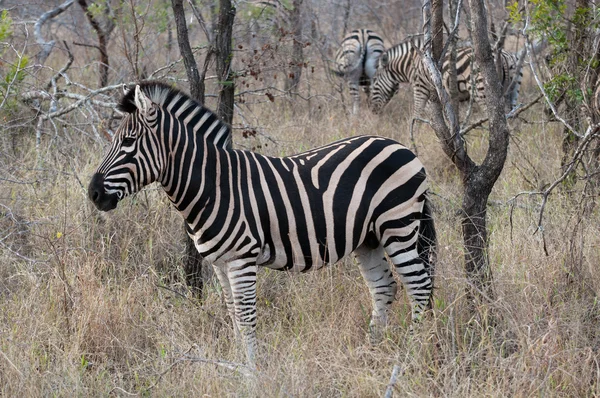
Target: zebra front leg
x=377 y=273
x=228 y=296
x=242 y=279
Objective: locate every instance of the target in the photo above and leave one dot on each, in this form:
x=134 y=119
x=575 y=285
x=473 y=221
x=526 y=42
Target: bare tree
x=478 y=179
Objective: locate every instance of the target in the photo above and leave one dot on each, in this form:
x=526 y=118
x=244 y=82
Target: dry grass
x=93 y=304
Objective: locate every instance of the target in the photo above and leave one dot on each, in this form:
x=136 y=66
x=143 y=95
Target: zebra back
x=403 y=64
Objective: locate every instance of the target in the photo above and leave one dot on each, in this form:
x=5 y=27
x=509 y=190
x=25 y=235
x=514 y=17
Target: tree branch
x=191 y=68
x=47 y=46
x=532 y=65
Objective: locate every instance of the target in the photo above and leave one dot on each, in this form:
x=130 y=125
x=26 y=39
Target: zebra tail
x=427 y=242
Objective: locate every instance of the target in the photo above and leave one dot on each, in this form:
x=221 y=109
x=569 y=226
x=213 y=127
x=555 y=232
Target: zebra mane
x=159 y=92
x=164 y=94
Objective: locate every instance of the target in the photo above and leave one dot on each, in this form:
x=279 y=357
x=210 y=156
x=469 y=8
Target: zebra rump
x=356 y=61
x=365 y=195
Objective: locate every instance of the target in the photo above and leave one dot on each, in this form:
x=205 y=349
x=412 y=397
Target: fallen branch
x=47 y=46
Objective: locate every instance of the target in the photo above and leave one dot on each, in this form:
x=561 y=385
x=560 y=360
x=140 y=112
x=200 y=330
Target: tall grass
x=93 y=304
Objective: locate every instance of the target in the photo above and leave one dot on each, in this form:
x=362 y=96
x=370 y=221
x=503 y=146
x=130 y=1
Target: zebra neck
x=194 y=180
x=412 y=58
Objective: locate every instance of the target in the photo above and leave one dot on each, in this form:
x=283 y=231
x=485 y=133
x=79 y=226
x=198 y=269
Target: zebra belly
x=285 y=252
x=295 y=262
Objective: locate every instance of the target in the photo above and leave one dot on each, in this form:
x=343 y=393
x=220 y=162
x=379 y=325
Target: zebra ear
x=142 y=102
x=125 y=89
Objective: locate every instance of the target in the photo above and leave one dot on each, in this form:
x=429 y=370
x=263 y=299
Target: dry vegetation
x=94 y=304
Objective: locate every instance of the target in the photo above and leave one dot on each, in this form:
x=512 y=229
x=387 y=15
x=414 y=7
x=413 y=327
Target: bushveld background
x=95 y=304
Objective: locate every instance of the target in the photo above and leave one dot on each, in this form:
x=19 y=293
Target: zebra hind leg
x=242 y=279
x=228 y=297
x=377 y=273
x=402 y=248
x=355 y=94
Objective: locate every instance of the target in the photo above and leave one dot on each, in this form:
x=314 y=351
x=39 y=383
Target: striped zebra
x=365 y=194
x=356 y=61
x=402 y=64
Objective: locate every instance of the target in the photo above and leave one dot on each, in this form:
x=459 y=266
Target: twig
x=247 y=125
x=43 y=95
x=389 y=392
x=520 y=109
x=451 y=35
x=591 y=133
x=514 y=113
x=11 y=363
x=473 y=126
x=200 y=19
x=97 y=47
x=54 y=79
x=131 y=394
x=238 y=367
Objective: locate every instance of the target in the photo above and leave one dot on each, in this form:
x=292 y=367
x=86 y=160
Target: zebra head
x=132 y=161
x=384 y=84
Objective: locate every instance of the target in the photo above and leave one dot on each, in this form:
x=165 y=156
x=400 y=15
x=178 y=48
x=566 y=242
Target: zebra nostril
x=95 y=196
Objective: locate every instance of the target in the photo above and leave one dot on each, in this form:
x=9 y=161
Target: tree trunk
x=103 y=37
x=224 y=55
x=479 y=186
x=474 y=228
x=192 y=260
x=298 y=44
x=478 y=180
x=197 y=88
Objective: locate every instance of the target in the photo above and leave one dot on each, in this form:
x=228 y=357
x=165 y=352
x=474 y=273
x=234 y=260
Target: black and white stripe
x=364 y=194
x=402 y=64
x=356 y=61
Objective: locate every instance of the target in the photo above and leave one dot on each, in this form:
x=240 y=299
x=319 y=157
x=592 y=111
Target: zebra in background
x=365 y=194
x=402 y=64
x=356 y=61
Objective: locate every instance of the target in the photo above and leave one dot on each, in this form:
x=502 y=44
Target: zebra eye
x=128 y=141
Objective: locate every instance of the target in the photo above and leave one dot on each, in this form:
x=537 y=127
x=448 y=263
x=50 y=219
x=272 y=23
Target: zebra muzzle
x=97 y=194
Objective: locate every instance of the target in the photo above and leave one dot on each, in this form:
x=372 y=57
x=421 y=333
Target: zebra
x=364 y=194
x=402 y=64
x=356 y=61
